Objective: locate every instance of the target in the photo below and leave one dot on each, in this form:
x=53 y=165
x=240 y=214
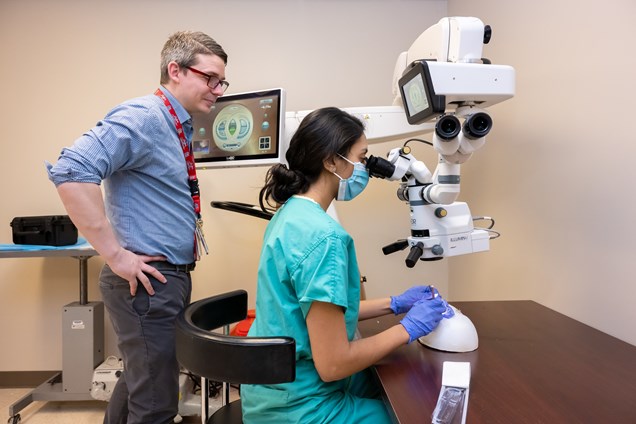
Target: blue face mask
x=355 y=184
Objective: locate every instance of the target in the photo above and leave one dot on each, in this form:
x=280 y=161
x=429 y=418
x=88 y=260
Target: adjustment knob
x=441 y=212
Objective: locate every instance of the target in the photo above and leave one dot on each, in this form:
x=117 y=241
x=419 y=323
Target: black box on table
x=49 y=230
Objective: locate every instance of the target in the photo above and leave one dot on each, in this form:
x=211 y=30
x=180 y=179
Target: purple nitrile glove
x=405 y=301
x=423 y=317
x=449 y=312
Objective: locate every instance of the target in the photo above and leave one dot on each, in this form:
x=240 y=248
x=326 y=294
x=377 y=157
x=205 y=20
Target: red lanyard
x=189 y=158
x=193 y=182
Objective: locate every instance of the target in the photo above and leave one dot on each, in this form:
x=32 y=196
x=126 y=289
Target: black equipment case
x=50 y=230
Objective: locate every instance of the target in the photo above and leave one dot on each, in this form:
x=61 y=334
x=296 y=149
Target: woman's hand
x=403 y=303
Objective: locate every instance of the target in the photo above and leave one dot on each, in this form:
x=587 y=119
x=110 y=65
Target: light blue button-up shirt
x=135 y=150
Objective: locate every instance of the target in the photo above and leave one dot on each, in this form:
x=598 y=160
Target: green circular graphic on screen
x=233 y=127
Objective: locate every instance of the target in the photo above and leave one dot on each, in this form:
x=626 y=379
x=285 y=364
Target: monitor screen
x=418 y=95
x=245 y=129
x=415 y=96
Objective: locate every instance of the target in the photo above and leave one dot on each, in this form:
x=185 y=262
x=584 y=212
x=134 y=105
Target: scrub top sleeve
x=322 y=274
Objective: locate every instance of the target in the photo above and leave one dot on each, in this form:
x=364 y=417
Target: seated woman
x=309 y=285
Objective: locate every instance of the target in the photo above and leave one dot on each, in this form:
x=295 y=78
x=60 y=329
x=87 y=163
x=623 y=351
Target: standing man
x=145 y=227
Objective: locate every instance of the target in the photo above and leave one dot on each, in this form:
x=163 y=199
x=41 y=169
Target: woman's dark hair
x=322 y=134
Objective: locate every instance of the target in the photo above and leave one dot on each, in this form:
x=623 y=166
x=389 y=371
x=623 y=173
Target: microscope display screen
x=245 y=129
x=420 y=101
x=415 y=96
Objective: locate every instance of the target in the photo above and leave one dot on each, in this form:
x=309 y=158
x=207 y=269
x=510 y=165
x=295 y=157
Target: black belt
x=167 y=266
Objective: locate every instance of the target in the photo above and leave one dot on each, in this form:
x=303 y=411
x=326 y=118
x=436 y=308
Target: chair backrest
x=232 y=359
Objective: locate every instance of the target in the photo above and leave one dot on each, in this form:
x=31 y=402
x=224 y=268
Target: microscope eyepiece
x=447 y=127
x=477 y=125
x=380 y=168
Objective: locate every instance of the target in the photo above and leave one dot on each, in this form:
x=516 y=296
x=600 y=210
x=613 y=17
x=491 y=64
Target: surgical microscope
x=443 y=85
x=447 y=82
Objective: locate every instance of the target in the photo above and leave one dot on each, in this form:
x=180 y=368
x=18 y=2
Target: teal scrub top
x=307 y=256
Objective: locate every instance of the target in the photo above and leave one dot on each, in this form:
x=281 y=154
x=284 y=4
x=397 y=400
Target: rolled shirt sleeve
x=136 y=152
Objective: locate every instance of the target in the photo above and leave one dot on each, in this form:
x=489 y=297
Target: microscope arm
x=382 y=123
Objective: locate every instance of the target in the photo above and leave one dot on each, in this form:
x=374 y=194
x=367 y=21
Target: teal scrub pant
x=359 y=403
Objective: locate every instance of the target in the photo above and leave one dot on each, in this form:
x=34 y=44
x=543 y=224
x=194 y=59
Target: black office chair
x=229 y=359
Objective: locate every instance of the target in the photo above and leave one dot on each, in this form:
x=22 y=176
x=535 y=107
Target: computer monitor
x=418 y=95
x=245 y=129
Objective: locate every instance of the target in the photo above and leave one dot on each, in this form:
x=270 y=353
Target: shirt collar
x=182 y=114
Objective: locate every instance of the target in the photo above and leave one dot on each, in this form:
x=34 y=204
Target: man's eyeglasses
x=213 y=81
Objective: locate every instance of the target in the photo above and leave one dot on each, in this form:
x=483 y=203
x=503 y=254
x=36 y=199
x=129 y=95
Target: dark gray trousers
x=148 y=389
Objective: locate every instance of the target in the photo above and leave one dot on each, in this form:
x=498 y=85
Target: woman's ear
x=330 y=164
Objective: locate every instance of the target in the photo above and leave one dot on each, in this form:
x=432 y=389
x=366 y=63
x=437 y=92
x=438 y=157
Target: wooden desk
x=533 y=365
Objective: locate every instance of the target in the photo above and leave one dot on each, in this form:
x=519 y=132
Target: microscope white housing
x=443 y=84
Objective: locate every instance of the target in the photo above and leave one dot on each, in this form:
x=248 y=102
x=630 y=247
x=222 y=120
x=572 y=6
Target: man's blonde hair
x=183 y=47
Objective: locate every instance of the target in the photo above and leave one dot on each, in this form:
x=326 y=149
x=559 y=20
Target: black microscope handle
x=394 y=247
x=415 y=254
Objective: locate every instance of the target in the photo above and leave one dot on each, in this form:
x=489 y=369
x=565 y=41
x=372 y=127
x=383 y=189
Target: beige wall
x=558 y=171
x=65 y=63
x=555 y=173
